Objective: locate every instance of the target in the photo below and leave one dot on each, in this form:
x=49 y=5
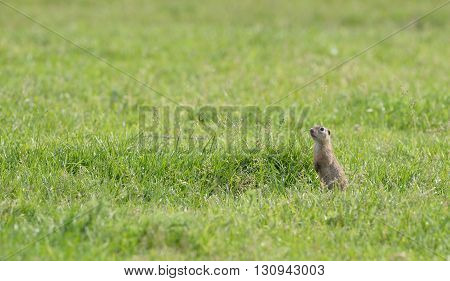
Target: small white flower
x=334 y=51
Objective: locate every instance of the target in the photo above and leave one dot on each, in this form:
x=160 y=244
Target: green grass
x=74 y=183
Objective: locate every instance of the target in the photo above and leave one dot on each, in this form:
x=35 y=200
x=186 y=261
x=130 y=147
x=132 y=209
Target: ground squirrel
x=325 y=163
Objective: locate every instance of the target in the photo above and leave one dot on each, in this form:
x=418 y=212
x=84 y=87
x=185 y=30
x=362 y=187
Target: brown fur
x=325 y=163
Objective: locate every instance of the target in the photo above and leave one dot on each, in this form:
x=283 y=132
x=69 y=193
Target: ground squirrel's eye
x=322 y=129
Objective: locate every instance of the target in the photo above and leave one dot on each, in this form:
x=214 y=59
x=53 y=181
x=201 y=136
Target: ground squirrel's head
x=320 y=134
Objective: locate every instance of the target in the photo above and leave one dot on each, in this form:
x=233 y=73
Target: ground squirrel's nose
x=311 y=130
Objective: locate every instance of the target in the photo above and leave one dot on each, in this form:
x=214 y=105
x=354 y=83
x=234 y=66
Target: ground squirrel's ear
x=329 y=132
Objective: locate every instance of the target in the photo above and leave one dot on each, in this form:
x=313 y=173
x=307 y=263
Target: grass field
x=75 y=184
